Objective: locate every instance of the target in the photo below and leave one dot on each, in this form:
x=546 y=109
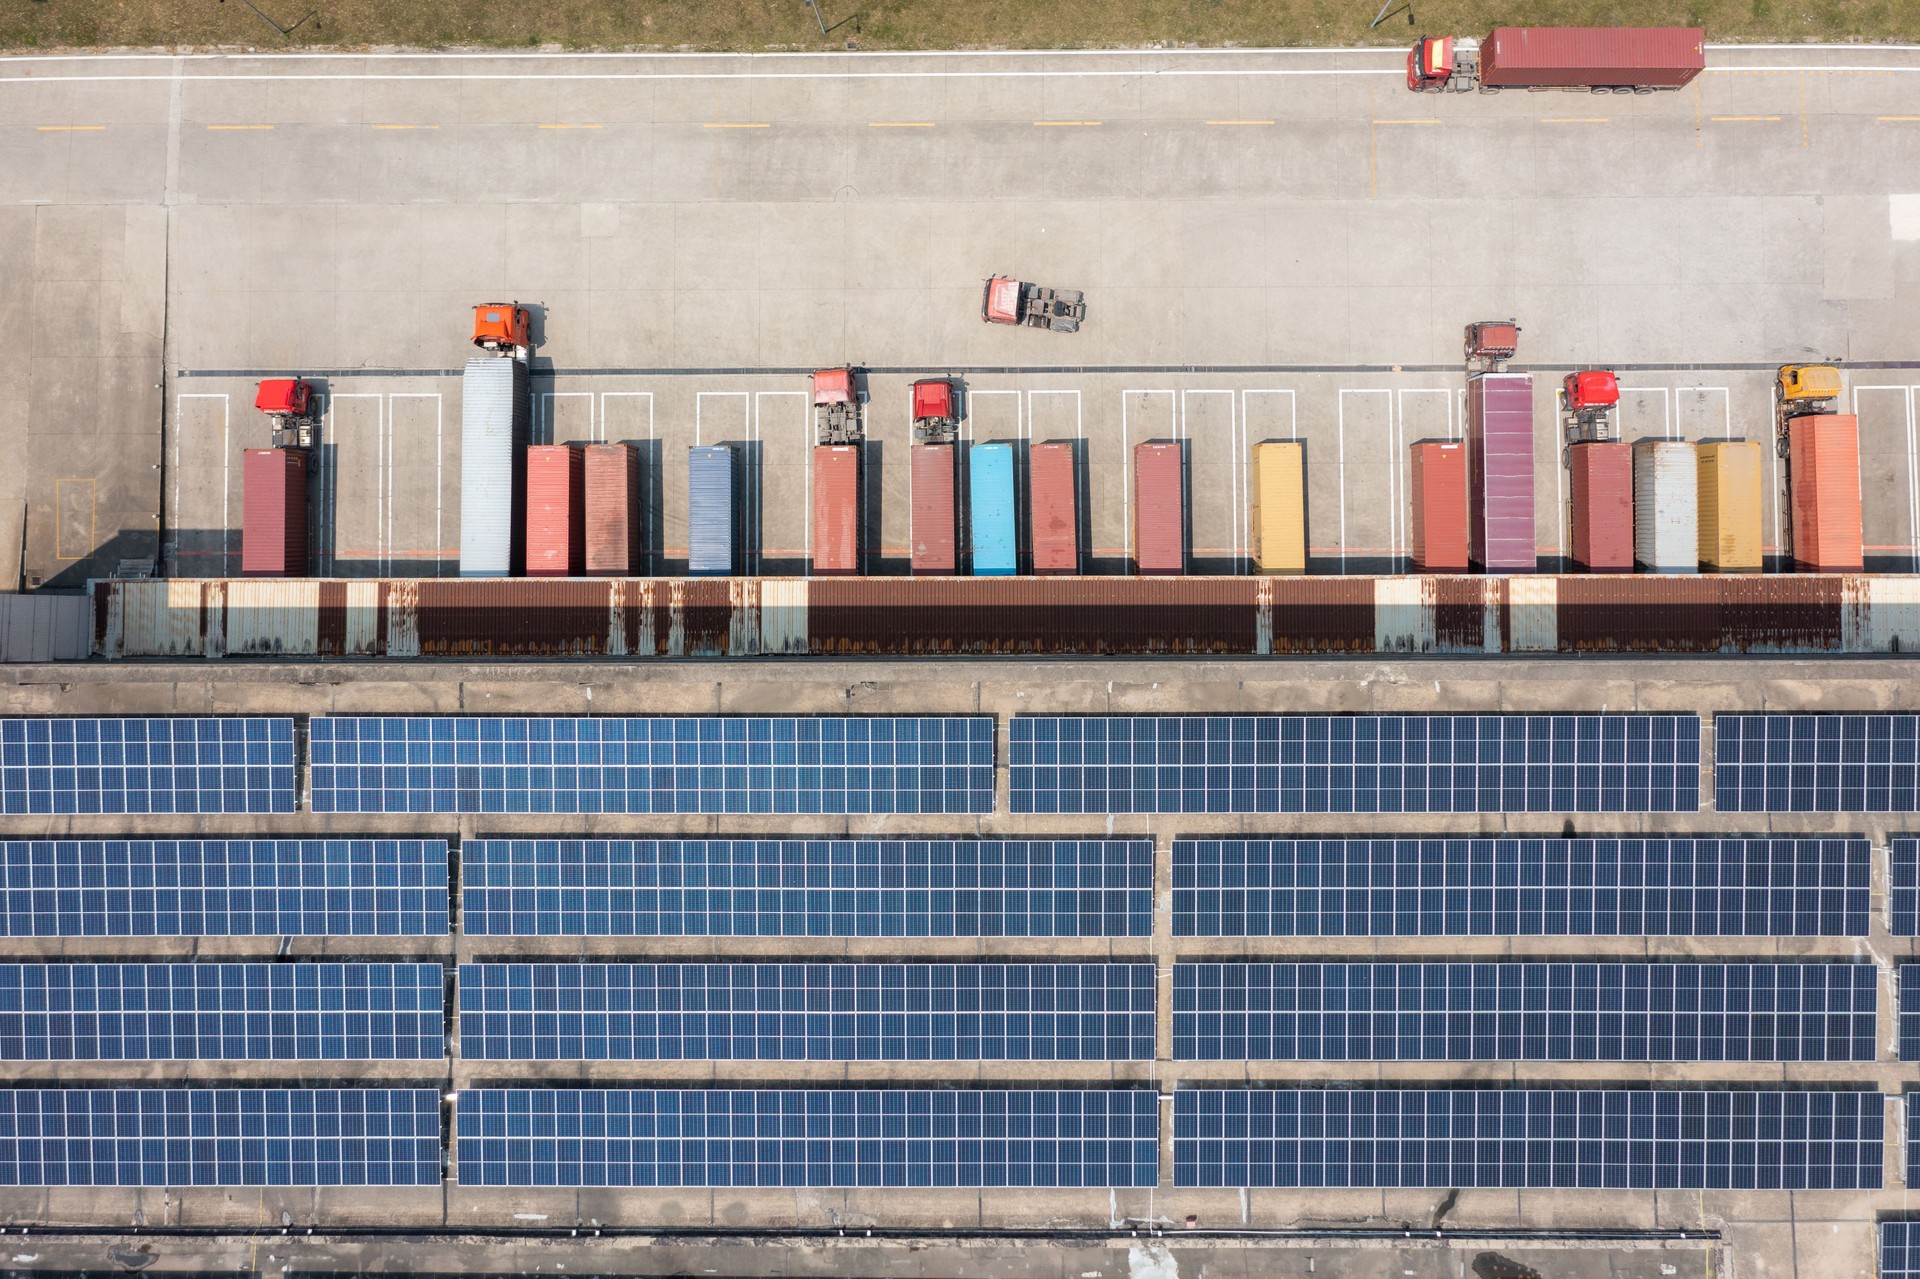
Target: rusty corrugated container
x=273 y=518
x=1439 y=499
x=1596 y=57
x=556 y=527
x=1823 y=476
x=1315 y=614
x=1666 y=507
x=934 y=532
x=1602 y=506
x=1280 y=507
x=1700 y=615
x=613 y=515
x=1500 y=534
x=1729 y=493
x=1054 y=489
x=513 y=619
x=1159 y=508
x=836 y=509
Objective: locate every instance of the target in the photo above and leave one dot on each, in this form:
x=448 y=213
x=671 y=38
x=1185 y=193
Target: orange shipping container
x=1602 y=496
x=1054 y=491
x=614 y=520
x=1824 y=478
x=1439 y=492
x=1159 y=509
x=556 y=533
x=836 y=509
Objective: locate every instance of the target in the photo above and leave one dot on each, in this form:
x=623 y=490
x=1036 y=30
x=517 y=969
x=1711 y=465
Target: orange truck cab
x=502 y=326
x=1430 y=63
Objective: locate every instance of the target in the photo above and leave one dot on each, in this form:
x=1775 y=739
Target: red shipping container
x=1823 y=471
x=1055 y=493
x=1439 y=491
x=836 y=509
x=614 y=524
x=933 y=508
x=273 y=513
x=1159 y=509
x=556 y=531
x=1602 y=506
x=1575 y=57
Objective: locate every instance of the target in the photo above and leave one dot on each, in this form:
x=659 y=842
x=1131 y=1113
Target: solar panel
x=807 y=1012
x=146 y=766
x=223 y=887
x=1824 y=763
x=1913 y=1141
x=1613 y=1139
x=472 y=764
x=1909 y=988
x=1524 y=1012
x=1903 y=889
x=1355 y=764
x=1900 y=1247
x=806 y=888
x=1508 y=887
x=850 y=1137
x=236 y=1012
x=219 y=1137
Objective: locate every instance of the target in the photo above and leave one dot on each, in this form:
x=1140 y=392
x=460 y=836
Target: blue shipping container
x=996 y=540
x=710 y=510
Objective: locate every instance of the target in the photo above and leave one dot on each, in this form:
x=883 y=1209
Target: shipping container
x=495 y=408
x=1666 y=506
x=1601 y=492
x=1280 y=507
x=1823 y=477
x=1729 y=484
x=556 y=523
x=1439 y=493
x=615 y=523
x=836 y=509
x=994 y=524
x=1500 y=533
x=934 y=530
x=44 y=626
x=1159 y=508
x=1054 y=486
x=1584 y=57
x=273 y=513
x=712 y=509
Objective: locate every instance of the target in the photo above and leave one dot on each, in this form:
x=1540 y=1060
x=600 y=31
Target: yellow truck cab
x=1809 y=382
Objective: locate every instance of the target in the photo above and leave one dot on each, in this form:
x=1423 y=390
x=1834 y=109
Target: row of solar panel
x=953 y=888
x=1614 y=1139
x=1900 y=1246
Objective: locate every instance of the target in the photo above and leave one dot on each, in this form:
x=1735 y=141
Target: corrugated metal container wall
x=995 y=529
x=494 y=412
x=1602 y=497
x=1439 y=491
x=1729 y=484
x=45 y=627
x=1159 y=508
x=1823 y=457
x=273 y=519
x=711 y=514
x=1054 y=489
x=934 y=541
x=556 y=529
x=836 y=509
x=1500 y=465
x=1570 y=57
x=1666 y=506
x=1280 y=507
x=614 y=545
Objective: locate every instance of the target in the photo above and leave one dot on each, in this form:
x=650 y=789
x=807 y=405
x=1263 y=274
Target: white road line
x=1026 y=426
x=1126 y=461
x=545 y=425
x=1234 y=477
x=816 y=55
x=1726 y=407
x=439 y=453
x=1913 y=466
x=759 y=456
x=604 y=436
x=1393 y=503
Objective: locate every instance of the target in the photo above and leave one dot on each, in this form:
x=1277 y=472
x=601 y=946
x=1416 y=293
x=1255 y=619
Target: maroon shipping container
x=556 y=529
x=1500 y=536
x=1578 y=57
x=615 y=528
x=836 y=509
x=1602 y=506
x=273 y=513
x=1055 y=493
x=934 y=536
x=1159 y=509
x=1439 y=491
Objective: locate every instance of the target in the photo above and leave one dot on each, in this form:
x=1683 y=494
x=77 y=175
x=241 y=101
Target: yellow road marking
x=1067 y=124
x=1239 y=122
x=236 y=128
x=406 y=126
x=72 y=128
x=899 y=124
x=573 y=126
x=1406 y=122
x=1573 y=119
x=1893 y=119
x=736 y=126
x=1742 y=119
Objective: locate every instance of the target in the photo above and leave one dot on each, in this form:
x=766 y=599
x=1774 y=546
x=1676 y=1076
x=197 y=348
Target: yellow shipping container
x=1729 y=478
x=1279 y=507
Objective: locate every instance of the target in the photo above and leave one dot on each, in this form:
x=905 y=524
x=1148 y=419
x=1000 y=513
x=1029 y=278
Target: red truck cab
x=1430 y=63
x=1593 y=389
x=284 y=397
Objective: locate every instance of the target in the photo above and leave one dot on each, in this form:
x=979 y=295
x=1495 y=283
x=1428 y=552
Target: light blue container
x=711 y=516
x=996 y=539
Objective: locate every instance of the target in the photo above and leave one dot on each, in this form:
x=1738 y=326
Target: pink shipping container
x=1579 y=57
x=1823 y=459
x=836 y=509
x=934 y=535
x=1439 y=491
x=273 y=513
x=1159 y=509
x=615 y=527
x=1055 y=493
x=556 y=529
x=1602 y=497
x=1500 y=536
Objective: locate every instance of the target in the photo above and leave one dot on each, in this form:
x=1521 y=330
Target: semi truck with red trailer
x=1580 y=59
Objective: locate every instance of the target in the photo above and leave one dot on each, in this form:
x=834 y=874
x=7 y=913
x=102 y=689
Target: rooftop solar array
x=1913 y=1140
x=1612 y=1139
x=851 y=1137
x=1355 y=764
x=59 y=766
x=234 y=1012
x=223 y=887
x=807 y=1012
x=1900 y=1248
x=777 y=764
x=1903 y=896
x=220 y=1137
x=1524 y=1012
x=1506 y=887
x=807 y=888
x=1823 y=763
x=1909 y=997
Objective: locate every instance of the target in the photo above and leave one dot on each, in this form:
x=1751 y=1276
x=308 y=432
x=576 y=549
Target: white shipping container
x=1666 y=511
x=494 y=412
